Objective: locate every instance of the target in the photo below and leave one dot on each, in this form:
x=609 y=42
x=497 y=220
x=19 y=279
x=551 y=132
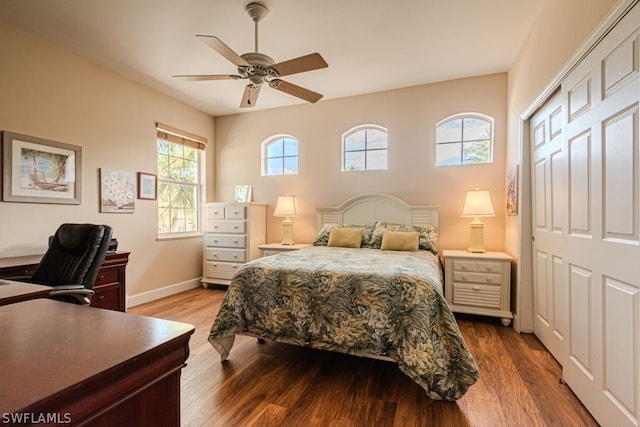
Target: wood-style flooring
x=274 y=384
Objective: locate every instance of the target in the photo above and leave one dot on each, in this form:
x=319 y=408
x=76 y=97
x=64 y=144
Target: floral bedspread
x=355 y=301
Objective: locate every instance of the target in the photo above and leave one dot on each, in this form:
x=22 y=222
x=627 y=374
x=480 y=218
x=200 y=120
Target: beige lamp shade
x=477 y=204
x=286 y=207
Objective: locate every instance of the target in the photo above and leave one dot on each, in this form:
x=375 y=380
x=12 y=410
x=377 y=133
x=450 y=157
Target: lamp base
x=287 y=232
x=476 y=237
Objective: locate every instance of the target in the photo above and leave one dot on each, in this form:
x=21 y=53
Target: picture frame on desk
x=37 y=170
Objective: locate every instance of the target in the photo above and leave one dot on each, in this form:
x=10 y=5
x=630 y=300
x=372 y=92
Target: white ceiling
x=370 y=45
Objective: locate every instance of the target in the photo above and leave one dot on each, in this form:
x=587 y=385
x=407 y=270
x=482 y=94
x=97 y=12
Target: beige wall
x=50 y=93
x=560 y=28
x=410 y=115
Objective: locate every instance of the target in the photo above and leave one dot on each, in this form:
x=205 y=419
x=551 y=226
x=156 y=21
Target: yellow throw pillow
x=400 y=241
x=345 y=237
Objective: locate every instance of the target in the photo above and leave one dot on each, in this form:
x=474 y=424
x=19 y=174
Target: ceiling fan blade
x=224 y=50
x=202 y=77
x=250 y=96
x=310 y=62
x=295 y=90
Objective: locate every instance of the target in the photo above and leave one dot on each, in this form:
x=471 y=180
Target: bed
x=377 y=295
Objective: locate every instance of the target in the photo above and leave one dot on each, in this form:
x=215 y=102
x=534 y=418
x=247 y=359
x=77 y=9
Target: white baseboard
x=148 y=296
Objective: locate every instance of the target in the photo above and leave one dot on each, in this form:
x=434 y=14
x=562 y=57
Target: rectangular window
x=179 y=181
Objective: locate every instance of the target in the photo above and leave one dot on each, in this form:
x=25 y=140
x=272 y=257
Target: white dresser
x=232 y=234
x=478 y=283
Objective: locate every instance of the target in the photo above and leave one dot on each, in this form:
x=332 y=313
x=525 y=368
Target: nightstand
x=274 y=248
x=478 y=283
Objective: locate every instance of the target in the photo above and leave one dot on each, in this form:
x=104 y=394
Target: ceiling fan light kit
x=259 y=68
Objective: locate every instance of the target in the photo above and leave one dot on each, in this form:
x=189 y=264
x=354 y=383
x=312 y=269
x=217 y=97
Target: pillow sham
x=400 y=241
x=345 y=237
x=322 y=239
x=428 y=235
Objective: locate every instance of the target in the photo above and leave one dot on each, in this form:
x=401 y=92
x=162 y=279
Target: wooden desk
x=12 y=292
x=90 y=366
x=110 y=285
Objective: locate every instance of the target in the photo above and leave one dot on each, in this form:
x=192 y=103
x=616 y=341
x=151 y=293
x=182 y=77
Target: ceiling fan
x=260 y=68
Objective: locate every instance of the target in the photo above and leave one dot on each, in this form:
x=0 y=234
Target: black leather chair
x=71 y=264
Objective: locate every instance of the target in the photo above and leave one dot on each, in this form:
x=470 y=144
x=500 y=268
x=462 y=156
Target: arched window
x=280 y=155
x=464 y=139
x=364 y=148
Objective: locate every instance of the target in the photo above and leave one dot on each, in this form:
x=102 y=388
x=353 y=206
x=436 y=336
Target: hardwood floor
x=274 y=384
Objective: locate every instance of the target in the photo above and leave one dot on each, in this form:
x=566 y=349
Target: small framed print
x=147 y=186
x=243 y=193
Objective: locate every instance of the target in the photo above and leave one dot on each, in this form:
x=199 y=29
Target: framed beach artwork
x=37 y=170
x=117 y=191
x=512 y=191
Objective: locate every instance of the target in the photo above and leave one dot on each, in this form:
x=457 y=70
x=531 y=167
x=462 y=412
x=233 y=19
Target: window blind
x=177 y=136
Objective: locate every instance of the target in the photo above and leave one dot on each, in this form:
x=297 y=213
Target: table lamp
x=286 y=207
x=477 y=204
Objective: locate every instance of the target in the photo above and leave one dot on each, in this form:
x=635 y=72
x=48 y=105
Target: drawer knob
x=235 y=226
x=464 y=267
x=464 y=277
x=489 y=279
x=476 y=288
x=100 y=277
x=100 y=297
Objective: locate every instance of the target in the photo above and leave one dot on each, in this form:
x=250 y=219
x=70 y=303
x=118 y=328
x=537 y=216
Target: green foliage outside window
x=178 y=183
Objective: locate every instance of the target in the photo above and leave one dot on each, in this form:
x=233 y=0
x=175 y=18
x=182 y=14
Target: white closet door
x=587 y=228
x=549 y=180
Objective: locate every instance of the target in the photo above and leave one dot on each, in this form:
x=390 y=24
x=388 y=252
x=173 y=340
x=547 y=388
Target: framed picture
x=512 y=191
x=117 y=191
x=243 y=193
x=37 y=170
x=147 y=186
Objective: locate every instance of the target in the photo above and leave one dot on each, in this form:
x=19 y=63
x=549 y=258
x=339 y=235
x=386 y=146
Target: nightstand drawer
x=226 y=240
x=220 y=270
x=459 y=276
x=222 y=254
x=480 y=266
x=476 y=295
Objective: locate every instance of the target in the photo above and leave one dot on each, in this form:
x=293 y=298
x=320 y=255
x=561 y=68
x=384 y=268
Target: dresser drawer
x=227 y=226
x=226 y=240
x=486 y=296
x=224 y=254
x=479 y=266
x=235 y=212
x=215 y=213
x=459 y=276
x=220 y=270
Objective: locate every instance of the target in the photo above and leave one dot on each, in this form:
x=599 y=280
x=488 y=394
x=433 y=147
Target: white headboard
x=368 y=208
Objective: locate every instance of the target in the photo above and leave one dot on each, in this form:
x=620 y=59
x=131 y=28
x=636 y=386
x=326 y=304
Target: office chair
x=70 y=265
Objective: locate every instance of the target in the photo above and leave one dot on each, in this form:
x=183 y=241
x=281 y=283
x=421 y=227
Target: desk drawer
x=107 y=297
x=107 y=276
